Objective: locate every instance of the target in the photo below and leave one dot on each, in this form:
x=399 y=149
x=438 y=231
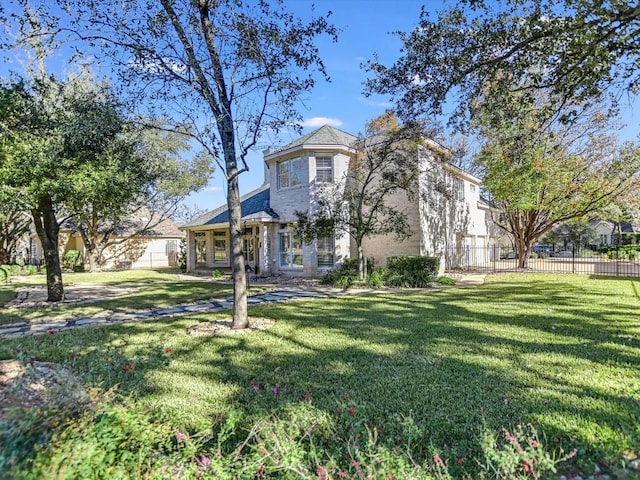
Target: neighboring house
x=609 y=232
x=446 y=217
x=156 y=246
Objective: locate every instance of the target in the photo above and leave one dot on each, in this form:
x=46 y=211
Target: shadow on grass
x=448 y=361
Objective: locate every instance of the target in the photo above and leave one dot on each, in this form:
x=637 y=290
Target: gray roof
x=137 y=225
x=325 y=135
x=254 y=205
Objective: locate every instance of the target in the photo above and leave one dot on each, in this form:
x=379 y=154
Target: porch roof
x=255 y=206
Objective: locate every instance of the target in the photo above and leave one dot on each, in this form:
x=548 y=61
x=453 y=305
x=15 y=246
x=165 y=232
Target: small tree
x=541 y=173
x=386 y=162
x=131 y=187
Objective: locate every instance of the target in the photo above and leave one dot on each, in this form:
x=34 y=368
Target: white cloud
x=320 y=121
x=373 y=103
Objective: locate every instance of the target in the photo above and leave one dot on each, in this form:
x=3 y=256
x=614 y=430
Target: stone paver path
x=50 y=326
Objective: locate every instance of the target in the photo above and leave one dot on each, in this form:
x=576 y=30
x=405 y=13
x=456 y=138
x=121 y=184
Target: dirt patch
x=38 y=384
x=224 y=327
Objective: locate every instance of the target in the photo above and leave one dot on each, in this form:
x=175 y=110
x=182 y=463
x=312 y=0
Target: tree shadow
x=450 y=360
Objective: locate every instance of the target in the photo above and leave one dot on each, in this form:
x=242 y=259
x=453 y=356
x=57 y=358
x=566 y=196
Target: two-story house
x=446 y=216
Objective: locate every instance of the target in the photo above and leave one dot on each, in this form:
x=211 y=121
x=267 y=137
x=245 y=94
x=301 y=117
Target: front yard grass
x=149 y=289
x=375 y=385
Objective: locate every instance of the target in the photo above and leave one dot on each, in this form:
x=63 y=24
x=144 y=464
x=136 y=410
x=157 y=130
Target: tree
x=14 y=223
x=228 y=70
x=575 y=50
x=360 y=205
x=131 y=186
x=31 y=152
x=541 y=172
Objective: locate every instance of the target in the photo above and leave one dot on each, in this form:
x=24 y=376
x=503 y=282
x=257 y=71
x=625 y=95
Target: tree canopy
x=540 y=173
x=575 y=50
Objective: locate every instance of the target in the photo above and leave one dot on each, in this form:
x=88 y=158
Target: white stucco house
x=447 y=215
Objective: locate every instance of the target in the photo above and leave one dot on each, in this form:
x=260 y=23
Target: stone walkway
x=51 y=326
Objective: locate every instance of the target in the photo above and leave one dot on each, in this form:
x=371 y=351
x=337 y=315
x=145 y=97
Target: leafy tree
x=361 y=204
x=131 y=186
x=31 y=146
x=572 y=49
x=541 y=173
x=14 y=223
x=227 y=71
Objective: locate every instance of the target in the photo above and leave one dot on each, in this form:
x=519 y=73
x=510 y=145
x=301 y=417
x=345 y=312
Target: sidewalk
x=280 y=294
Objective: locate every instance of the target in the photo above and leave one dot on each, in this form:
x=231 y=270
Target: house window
x=324 y=169
x=325 y=247
x=170 y=247
x=458 y=188
x=201 y=248
x=290 y=173
x=290 y=250
x=247 y=248
x=220 y=254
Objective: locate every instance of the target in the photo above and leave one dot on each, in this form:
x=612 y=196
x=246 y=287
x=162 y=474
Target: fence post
x=573 y=258
x=494 y=258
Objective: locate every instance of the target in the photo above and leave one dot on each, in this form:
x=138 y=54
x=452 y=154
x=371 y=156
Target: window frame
x=328 y=250
x=458 y=189
x=220 y=236
x=291 y=170
x=290 y=252
x=324 y=174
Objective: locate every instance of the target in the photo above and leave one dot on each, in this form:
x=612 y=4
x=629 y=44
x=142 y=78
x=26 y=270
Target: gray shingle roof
x=325 y=135
x=254 y=205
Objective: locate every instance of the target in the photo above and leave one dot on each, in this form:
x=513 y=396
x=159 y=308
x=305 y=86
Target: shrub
x=411 y=271
x=72 y=259
x=377 y=277
x=517 y=455
x=217 y=273
x=182 y=255
x=346 y=275
x=446 y=281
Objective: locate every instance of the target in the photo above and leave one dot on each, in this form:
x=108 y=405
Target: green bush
x=445 y=281
x=72 y=259
x=182 y=255
x=377 y=277
x=217 y=273
x=411 y=271
x=346 y=275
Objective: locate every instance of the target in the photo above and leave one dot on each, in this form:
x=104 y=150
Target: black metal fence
x=620 y=261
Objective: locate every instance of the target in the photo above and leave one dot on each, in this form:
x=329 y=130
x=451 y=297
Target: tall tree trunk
x=47 y=229
x=240 y=312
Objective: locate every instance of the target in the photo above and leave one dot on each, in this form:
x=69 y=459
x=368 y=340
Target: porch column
x=191 y=251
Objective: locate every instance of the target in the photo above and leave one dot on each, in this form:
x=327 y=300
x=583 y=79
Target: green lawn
x=371 y=386
x=150 y=289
